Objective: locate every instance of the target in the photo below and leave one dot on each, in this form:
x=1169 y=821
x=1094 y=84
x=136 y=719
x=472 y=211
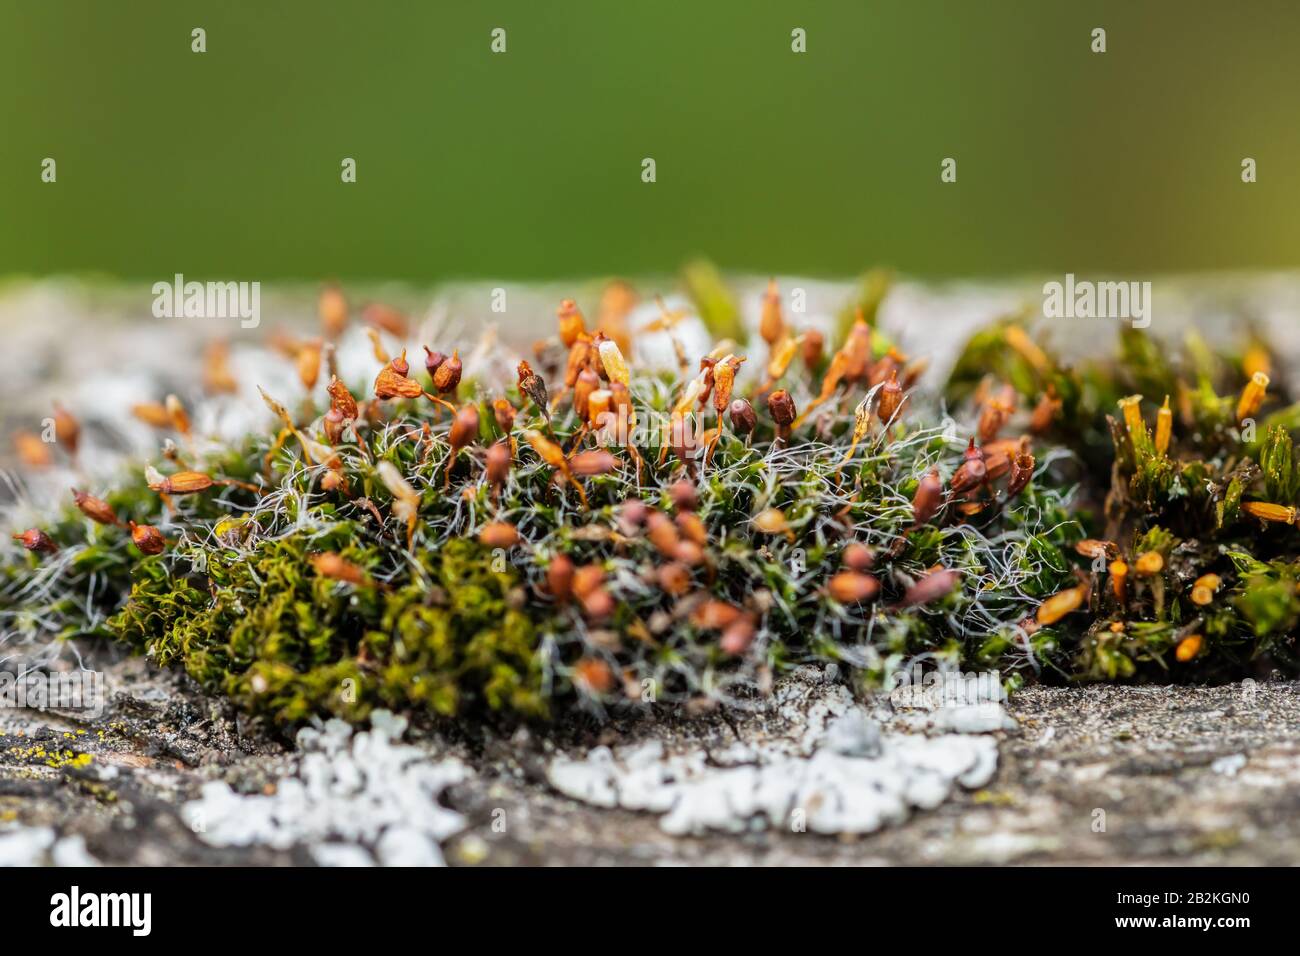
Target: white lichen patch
x=41 y=846
x=822 y=764
x=354 y=799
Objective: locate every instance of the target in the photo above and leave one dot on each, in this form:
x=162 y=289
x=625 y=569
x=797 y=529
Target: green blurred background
x=527 y=164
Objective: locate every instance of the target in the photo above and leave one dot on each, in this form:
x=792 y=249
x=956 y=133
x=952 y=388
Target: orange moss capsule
x=1204 y=587
x=598 y=462
x=392 y=381
x=858 y=557
x=559 y=577
x=1119 y=580
x=1132 y=409
x=329 y=564
x=1266 y=511
x=770 y=324
x=852 y=587
x=715 y=615
x=153 y=414
x=1189 y=647
x=1060 y=604
x=31 y=451
x=674 y=578
x=308 y=364
x=814 y=344
x=572 y=325
x=594 y=675
x=498 y=534
x=180 y=483
x=504 y=413
x=497 y=464
x=1252 y=396
x=1164 y=427
x=1152 y=562
x=333 y=309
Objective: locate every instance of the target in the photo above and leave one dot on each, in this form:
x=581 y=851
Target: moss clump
x=260 y=625
x=601 y=533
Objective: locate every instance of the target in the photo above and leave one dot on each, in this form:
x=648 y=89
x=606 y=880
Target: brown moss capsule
x=933 y=586
x=1045 y=412
x=464 y=428
x=692 y=528
x=852 y=587
x=334 y=424
x=970 y=474
x=723 y=381
x=34 y=539
x=995 y=413
x=180 y=483
x=587 y=579
x=532 y=385
x=447 y=376
x=684 y=495
x=781 y=407
x=737 y=636
x=559 y=578
x=891 y=398
x=572 y=324
x=67 y=431
x=148 y=538
x=858 y=557
x=586 y=463
x=333 y=309
x=597 y=605
x=814 y=345
x=772 y=521
x=1022 y=471
x=392 y=381
x=586 y=383
x=498 y=534
x=96 y=509
x=341 y=400
x=632 y=515
x=674 y=578
x=386 y=318
x=1266 y=511
x=928 y=498
x=689 y=553
x=1188 y=648
x=504 y=413
x=662 y=533
x=432 y=360
x=1094 y=548
x=1061 y=604
x=497 y=464
x=330 y=564
x=715 y=615
x=742 y=416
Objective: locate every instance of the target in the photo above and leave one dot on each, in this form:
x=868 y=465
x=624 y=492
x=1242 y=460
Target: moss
x=418 y=614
